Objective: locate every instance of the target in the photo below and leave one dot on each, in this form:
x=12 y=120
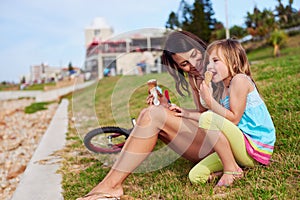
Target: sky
x=52 y=31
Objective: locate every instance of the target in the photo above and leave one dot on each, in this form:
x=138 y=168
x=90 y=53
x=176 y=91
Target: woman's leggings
x=212 y=163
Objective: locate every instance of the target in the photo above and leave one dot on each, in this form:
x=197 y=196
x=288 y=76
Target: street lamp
x=226 y=17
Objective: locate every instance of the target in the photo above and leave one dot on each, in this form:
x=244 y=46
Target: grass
x=114 y=100
x=6 y=86
x=35 y=107
x=39 y=86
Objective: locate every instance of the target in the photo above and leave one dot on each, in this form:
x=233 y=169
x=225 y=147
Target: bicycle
x=114 y=137
x=107 y=139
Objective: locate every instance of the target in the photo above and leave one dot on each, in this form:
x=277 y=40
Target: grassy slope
x=278 y=80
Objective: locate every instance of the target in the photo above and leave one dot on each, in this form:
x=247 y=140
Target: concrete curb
x=40 y=180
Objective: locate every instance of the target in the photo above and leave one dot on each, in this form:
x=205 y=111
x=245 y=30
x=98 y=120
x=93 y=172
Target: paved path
x=40 y=180
x=7 y=95
x=40 y=96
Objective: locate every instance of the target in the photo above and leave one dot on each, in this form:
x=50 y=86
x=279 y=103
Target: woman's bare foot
x=99 y=196
x=101 y=191
x=229 y=177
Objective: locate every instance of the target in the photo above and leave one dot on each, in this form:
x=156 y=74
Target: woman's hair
x=233 y=55
x=180 y=42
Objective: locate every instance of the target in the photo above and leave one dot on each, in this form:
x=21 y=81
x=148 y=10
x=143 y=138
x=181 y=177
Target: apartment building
x=119 y=53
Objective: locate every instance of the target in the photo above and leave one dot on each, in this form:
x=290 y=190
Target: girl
x=183 y=55
x=238 y=123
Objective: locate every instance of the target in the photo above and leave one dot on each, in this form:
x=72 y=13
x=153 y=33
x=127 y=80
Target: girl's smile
x=217 y=67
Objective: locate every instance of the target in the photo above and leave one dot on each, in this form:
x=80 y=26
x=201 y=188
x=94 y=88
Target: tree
x=197 y=18
x=173 y=22
x=238 y=31
x=287 y=15
x=219 y=32
x=23 y=80
x=260 y=23
x=278 y=38
x=70 y=67
x=176 y=20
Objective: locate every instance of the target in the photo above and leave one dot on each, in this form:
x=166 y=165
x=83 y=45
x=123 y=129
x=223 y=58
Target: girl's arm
x=190 y=113
x=239 y=89
x=196 y=98
x=193 y=114
x=180 y=112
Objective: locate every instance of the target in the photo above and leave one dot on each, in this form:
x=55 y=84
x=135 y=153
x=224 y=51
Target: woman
x=183 y=55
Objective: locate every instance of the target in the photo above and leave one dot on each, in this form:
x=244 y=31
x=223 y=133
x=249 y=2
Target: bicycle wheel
x=107 y=139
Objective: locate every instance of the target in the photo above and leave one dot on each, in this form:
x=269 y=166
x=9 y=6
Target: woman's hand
x=162 y=99
x=150 y=99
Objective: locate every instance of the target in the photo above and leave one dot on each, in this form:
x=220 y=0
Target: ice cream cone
x=207 y=77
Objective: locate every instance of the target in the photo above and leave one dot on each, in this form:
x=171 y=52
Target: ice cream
x=207 y=77
x=152 y=84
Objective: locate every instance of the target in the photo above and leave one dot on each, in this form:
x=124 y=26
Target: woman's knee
x=153 y=114
x=148 y=123
x=144 y=114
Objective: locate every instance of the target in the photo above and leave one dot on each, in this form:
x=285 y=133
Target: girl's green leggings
x=212 y=163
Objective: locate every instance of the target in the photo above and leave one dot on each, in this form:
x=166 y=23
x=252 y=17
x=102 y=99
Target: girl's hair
x=180 y=42
x=230 y=52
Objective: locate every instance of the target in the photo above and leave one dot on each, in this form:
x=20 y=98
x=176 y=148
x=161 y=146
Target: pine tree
x=70 y=67
x=173 y=22
x=197 y=18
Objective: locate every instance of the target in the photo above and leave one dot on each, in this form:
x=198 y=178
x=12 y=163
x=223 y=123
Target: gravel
x=20 y=134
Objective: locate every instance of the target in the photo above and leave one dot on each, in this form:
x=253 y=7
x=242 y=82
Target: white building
x=98 y=31
x=119 y=53
x=44 y=73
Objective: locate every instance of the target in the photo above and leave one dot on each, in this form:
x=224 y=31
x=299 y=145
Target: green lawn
x=36 y=86
x=35 y=107
x=113 y=101
x=39 y=86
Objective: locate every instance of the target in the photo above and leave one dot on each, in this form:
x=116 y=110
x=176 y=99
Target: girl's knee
x=210 y=121
x=205 y=119
x=199 y=174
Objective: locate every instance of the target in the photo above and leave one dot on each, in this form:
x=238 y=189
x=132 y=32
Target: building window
x=110 y=63
x=97 y=32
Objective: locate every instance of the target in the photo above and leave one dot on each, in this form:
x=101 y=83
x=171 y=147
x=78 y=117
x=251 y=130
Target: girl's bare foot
x=214 y=176
x=229 y=177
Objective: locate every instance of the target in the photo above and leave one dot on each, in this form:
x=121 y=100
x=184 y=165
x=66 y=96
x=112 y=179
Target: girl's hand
x=179 y=112
x=206 y=94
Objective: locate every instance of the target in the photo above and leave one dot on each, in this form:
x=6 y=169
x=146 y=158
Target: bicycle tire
x=114 y=146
